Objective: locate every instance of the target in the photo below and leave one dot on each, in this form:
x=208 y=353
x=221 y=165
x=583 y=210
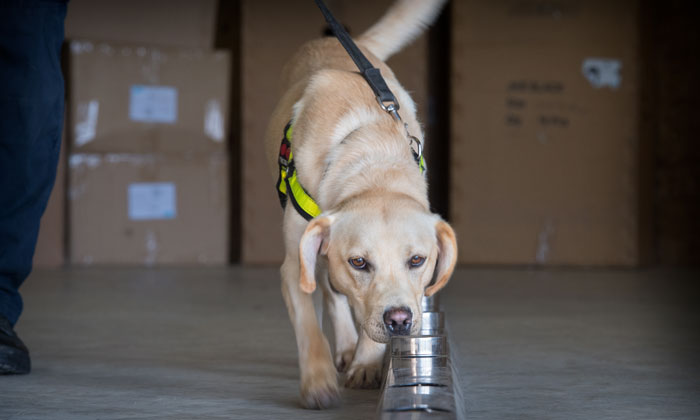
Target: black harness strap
x=371 y=74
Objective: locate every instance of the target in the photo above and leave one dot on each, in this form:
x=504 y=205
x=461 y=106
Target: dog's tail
x=401 y=24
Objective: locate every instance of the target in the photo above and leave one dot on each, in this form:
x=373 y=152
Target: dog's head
x=384 y=254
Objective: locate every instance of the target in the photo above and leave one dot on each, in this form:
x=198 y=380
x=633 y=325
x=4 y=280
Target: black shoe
x=14 y=355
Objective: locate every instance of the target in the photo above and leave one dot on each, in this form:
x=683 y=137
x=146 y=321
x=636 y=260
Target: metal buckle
x=391 y=107
x=414 y=139
x=290 y=168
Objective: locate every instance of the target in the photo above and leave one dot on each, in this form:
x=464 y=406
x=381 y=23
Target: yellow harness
x=289 y=187
x=288 y=184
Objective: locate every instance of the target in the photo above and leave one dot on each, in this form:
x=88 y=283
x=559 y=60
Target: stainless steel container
x=430 y=304
x=419 y=346
x=419 y=400
x=419 y=370
x=418 y=382
x=419 y=364
x=415 y=415
x=432 y=323
x=434 y=377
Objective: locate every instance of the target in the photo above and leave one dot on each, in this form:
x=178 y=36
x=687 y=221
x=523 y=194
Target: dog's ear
x=314 y=241
x=447 y=257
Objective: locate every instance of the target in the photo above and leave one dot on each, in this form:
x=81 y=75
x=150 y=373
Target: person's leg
x=31 y=120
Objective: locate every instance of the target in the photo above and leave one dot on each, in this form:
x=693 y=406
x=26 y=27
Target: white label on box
x=602 y=72
x=214 y=121
x=156 y=104
x=152 y=201
x=86 y=125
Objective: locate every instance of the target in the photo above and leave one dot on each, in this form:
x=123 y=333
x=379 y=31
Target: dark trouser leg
x=31 y=117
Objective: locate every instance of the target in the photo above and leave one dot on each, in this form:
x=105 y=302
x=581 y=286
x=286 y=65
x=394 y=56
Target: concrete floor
x=216 y=343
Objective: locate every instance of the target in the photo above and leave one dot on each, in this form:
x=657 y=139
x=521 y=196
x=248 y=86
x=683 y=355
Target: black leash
x=372 y=75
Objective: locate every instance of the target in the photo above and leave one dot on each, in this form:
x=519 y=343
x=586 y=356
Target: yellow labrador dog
x=376 y=249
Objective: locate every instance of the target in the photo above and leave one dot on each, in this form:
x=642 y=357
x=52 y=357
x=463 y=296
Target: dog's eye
x=416 y=261
x=358 y=263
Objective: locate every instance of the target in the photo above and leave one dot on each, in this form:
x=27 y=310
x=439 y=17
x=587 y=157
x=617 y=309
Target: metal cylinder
x=407 y=370
x=419 y=364
x=430 y=304
x=434 y=377
x=415 y=414
x=426 y=400
x=419 y=346
x=432 y=323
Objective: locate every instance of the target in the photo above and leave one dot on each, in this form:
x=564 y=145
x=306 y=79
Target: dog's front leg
x=319 y=382
x=366 y=368
x=344 y=329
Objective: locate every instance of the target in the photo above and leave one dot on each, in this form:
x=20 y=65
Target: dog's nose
x=398 y=321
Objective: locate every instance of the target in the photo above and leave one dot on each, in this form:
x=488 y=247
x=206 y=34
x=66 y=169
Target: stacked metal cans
x=419 y=380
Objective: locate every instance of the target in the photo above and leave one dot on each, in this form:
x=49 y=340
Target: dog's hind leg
x=344 y=330
x=319 y=382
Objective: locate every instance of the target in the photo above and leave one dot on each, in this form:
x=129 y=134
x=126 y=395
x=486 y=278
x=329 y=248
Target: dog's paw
x=364 y=376
x=343 y=359
x=319 y=389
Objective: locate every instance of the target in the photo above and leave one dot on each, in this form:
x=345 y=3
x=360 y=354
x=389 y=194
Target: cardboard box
x=140 y=99
x=177 y=23
x=545 y=132
x=271 y=32
x=148 y=209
